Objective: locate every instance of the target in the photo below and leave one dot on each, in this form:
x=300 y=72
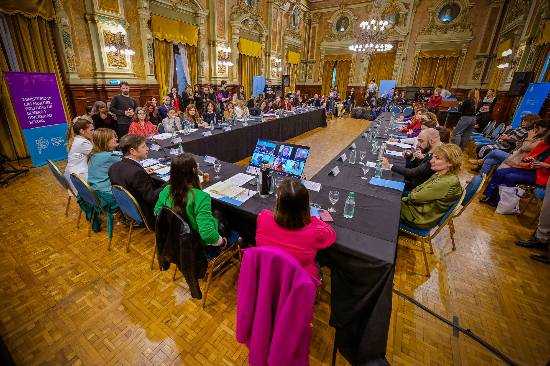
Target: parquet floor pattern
x=65 y=299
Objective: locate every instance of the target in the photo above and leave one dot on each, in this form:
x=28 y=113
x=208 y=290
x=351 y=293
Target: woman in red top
x=435 y=101
x=291 y=227
x=412 y=129
x=141 y=126
x=533 y=170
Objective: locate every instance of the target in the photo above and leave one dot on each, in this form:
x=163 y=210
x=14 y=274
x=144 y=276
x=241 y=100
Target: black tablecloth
x=239 y=142
x=363 y=258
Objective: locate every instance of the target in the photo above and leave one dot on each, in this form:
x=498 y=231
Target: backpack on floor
x=509 y=200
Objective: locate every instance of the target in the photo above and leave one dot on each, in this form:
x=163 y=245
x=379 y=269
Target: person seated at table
x=412 y=129
x=210 y=117
x=435 y=101
x=102 y=157
x=129 y=174
x=445 y=94
x=152 y=113
x=485 y=110
x=229 y=112
x=101 y=116
x=534 y=169
x=505 y=159
x=165 y=107
x=287 y=105
x=141 y=125
x=241 y=110
x=192 y=117
x=417 y=168
x=317 y=101
x=80 y=150
x=428 y=203
x=172 y=122
x=184 y=194
x=290 y=226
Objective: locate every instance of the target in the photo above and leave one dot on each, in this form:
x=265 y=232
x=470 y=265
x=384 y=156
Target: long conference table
x=362 y=261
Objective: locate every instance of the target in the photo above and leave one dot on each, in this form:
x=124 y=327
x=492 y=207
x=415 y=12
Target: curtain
x=174 y=31
x=164 y=58
x=250 y=48
x=381 y=67
x=293 y=72
x=342 y=76
x=328 y=66
x=433 y=71
x=34 y=49
x=192 y=63
x=248 y=68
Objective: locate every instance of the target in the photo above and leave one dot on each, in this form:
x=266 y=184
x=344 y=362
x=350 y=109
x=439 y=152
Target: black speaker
x=520 y=82
x=286 y=80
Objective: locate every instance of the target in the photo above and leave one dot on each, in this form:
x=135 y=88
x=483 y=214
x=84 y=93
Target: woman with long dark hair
x=290 y=226
x=185 y=195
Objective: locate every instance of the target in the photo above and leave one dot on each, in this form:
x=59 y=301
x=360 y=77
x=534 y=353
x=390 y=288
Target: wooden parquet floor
x=64 y=299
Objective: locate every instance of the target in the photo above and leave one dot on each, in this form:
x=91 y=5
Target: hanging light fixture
x=372 y=36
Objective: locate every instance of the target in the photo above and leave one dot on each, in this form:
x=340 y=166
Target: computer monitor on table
x=284 y=158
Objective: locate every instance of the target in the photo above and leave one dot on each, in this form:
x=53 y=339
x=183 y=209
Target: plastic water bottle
x=378 y=172
x=349 y=207
x=352 y=156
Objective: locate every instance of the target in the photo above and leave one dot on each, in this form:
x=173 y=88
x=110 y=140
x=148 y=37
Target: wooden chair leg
x=452 y=233
x=154 y=253
x=78 y=220
x=208 y=280
x=67 y=207
x=426 y=265
x=129 y=237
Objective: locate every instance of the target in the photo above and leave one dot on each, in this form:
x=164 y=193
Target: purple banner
x=35 y=97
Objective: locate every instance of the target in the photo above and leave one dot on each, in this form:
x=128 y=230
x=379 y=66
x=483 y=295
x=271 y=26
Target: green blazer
x=198 y=210
x=428 y=202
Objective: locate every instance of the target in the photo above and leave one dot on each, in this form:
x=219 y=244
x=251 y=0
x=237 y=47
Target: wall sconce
x=224 y=56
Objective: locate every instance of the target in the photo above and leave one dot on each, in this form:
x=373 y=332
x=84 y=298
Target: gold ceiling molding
x=109 y=5
x=174 y=31
x=439 y=53
x=29 y=8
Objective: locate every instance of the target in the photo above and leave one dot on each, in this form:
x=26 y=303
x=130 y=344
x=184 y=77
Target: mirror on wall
x=342 y=24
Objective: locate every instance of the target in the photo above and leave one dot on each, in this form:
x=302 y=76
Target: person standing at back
x=129 y=174
x=123 y=106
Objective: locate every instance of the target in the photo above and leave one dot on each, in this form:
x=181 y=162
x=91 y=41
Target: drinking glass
x=362 y=155
x=366 y=169
x=217 y=168
x=333 y=197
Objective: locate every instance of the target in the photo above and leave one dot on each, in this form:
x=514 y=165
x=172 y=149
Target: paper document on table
x=162 y=136
x=191 y=130
x=148 y=162
x=227 y=191
x=371 y=164
x=399 y=144
x=163 y=170
x=394 y=153
x=155 y=147
x=312 y=186
x=240 y=179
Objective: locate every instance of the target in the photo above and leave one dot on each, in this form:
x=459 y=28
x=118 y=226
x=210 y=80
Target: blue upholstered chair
x=131 y=210
x=89 y=196
x=486 y=131
x=425 y=236
x=395 y=109
x=63 y=183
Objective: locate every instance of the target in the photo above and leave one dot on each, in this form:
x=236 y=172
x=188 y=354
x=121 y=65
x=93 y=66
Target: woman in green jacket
x=428 y=203
x=184 y=194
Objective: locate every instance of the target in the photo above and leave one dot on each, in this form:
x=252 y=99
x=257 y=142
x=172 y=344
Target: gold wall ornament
x=109 y=5
x=115 y=59
x=457 y=23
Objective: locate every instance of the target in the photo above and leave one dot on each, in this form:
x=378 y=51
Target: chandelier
x=372 y=35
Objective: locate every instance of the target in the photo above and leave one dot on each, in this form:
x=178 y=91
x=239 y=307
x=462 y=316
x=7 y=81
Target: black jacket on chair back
x=178 y=243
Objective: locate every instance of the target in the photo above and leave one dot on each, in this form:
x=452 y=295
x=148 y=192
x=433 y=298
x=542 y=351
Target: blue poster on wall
x=258 y=85
x=532 y=101
x=386 y=88
x=47 y=142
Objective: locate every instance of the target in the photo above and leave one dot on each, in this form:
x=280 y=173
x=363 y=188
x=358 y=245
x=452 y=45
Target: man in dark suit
x=131 y=175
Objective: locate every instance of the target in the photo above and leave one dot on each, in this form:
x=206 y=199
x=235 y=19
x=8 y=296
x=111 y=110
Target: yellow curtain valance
x=439 y=53
x=250 y=48
x=293 y=57
x=503 y=46
x=174 y=31
x=29 y=8
x=342 y=57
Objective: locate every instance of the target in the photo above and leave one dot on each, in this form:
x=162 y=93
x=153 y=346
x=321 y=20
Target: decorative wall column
x=202 y=45
x=64 y=29
x=147 y=41
x=399 y=61
x=235 y=35
x=459 y=65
